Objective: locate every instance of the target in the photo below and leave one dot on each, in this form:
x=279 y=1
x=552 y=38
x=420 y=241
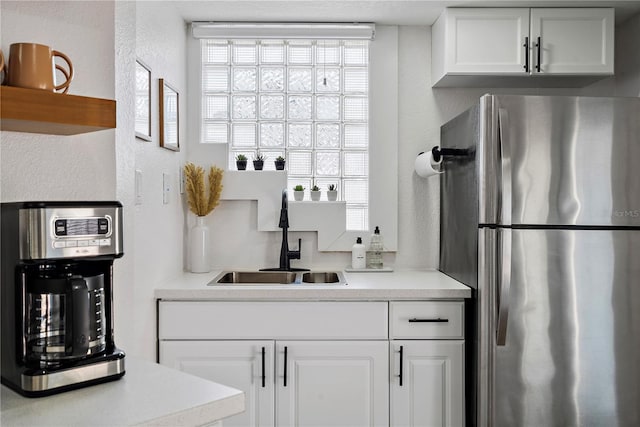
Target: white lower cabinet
x=332 y=383
x=427 y=386
x=238 y=364
x=427 y=363
x=324 y=363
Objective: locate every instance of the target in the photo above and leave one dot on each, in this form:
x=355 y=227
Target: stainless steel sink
x=266 y=277
x=278 y=278
x=321 y=277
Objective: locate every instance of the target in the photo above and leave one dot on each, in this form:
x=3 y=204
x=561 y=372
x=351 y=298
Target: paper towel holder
x=438 y=153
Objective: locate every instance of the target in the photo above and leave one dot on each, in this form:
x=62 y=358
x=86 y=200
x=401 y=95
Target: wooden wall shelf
x=38 y=111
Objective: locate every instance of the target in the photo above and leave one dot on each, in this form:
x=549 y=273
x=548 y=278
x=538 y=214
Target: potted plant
x=315 y=193
x=332 y=193
x=241 y=162
x=298 y=193
x=258 y=161
x=279 y=161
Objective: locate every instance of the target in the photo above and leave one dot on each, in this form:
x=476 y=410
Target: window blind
x=288 y=31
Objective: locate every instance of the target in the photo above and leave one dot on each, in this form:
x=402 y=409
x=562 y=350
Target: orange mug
x=32 y=65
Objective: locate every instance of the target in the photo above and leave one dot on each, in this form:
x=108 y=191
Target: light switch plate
x=166 y=188
x=181 y=180
x=138 y=187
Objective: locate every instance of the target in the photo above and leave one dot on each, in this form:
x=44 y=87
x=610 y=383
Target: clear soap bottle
x=374 y=254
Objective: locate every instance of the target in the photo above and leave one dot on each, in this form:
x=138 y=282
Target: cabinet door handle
x=285 y=366
x=539 y=47
x=401 y=354
x=437 y=320
x=526 y=54
x=263 y=370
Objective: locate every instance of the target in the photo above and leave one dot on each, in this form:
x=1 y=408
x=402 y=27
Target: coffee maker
x=57 y=295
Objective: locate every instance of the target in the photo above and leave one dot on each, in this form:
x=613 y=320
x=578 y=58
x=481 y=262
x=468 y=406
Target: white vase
x=332 y=195
x=199 y=247
x=315 y=195
x=298 y=196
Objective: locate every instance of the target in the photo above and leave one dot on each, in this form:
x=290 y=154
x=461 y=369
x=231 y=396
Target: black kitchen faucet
x=285 y=254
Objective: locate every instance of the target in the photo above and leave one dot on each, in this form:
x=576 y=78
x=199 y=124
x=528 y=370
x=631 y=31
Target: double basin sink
x=279 y=278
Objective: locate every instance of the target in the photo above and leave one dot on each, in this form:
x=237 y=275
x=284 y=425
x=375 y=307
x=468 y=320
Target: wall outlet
x=166 y=188
x=138 y=187
x=181 y=180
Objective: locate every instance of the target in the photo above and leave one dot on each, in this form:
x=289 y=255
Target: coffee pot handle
x=2 y=67
x=67 y=74
x=77 y=314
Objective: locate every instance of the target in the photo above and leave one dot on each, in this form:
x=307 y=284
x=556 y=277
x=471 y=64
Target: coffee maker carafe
x=64 y=315
x=57 y=314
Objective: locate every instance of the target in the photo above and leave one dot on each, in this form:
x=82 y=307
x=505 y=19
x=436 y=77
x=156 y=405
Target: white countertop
x=396 y=285
x=149 y=394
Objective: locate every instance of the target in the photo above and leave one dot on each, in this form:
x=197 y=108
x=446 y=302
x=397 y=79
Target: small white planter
x=332 y=196
x=315 y=195
x=298 y=196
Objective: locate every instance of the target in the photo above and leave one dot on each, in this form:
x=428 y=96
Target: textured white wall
x=45 y=167
x=125 y=314
x=626 y=81
x=628 y=58
x=160 y=43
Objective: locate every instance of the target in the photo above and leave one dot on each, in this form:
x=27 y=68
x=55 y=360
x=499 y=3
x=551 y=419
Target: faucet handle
x=296 y=254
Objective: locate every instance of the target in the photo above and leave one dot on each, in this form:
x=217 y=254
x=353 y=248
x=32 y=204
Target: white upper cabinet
x=483 y=41
x=522 y=47
x=574 y=41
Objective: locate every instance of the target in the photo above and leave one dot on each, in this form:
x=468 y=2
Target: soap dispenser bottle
x=374 y=254
x=358 y=253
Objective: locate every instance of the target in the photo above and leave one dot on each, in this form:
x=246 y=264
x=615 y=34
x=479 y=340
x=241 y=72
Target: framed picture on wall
x=169 y=116
x=143 y=101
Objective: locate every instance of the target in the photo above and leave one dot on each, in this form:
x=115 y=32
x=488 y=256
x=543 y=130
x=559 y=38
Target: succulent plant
x=298 y=188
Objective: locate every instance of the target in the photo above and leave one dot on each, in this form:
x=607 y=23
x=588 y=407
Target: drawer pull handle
x=438 y=320
x=263 y=370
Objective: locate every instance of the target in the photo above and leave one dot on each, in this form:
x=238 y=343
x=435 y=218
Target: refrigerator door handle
x=504 y=194
x=504 y=274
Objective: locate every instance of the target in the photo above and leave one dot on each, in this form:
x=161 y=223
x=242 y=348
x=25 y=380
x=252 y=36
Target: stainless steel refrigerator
x=540 y=215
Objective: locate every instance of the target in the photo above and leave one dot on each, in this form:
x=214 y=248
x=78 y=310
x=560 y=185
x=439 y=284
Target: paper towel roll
x=425 y=166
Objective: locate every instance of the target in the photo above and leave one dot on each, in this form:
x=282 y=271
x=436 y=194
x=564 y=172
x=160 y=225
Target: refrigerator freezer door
x=572 y=353
x=573 y=160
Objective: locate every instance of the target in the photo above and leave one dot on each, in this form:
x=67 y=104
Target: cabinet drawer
x=427 y=319
x=193 y=320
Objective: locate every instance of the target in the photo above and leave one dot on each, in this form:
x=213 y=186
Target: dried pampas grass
x=199 y=200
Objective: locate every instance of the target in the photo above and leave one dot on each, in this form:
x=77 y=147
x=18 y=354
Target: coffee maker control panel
x=82 y=232
x=70 y=232
x=81 y=226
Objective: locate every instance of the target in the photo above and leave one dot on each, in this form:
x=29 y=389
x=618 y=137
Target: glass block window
x=306 y=100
